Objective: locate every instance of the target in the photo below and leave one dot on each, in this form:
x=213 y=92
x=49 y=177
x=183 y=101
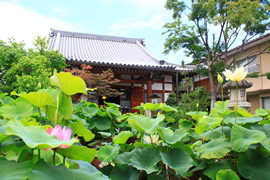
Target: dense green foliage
x=214 y=27
x=23 y=70
x=219 y=145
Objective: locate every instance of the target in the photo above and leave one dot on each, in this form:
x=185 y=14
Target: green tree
x=225 y=20
x=22 y=70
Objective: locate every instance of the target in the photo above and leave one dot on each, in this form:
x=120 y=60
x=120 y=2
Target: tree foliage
x=22 y=70
x=101 y=81
x=214 y=27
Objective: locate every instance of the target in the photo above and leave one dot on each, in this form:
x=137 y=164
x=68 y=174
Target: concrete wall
x=255 y=103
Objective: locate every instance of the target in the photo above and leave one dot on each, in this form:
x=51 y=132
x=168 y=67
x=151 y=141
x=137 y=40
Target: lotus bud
x=220 y=79
x=103 y=97
x=39 y=85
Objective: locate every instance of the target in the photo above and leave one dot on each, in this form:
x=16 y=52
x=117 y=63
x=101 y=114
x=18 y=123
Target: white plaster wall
x=168 y=78
x=168 y=87
x=157 y=86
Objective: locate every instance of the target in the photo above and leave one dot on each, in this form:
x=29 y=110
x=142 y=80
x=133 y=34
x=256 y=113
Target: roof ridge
x=96 y=36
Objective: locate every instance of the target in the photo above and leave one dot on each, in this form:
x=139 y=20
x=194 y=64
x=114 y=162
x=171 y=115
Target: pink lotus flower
x=60 y=134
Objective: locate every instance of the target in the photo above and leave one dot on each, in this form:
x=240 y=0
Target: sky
x=25 y=19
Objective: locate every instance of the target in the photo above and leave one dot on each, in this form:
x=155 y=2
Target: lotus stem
x=236 y=102
x=39 y=115
x=38 y=154
x=222 y=107
x=54 y=154
x=64 y=160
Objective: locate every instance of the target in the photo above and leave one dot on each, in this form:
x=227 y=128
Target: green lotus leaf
x=89 y=111
x=251 y=165
x=216 y=148
x=145 y=159
x=177 y=159
x=207 y=123
x=44 y=171
x=261 y=112
x=226 y=174
x=14 y=170
x=145 y=124
x=221 y=106
x=53 y=92
x=166 y=108
x=39 y=99
x=3 y=135
x=213 y=168
x=151 y=106
x=123 y=158
x=114 y=111
x=103 y=123
x=107 y=153
x=113 y=105
x=64 y=106
x=216 y=133
x=68 y=83
x=124 y=172
x=266 y=129
x=185 y=124
x=17 y=110
x=35 y=136
x=171 y=137
x=196 y=115
x=50 y=112
x=242 y=138
x=122 y=137
x=81 y=131
x=241 y=120
x=78 y=153
x=6 y=100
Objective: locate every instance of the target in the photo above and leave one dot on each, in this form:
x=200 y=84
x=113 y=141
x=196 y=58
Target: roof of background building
x=106 y=50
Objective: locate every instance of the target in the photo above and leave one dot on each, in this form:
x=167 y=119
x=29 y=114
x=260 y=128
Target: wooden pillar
x=177 y=88
x=149 y=89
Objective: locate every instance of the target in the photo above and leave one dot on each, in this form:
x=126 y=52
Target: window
x=250 y=64
x=266 y=102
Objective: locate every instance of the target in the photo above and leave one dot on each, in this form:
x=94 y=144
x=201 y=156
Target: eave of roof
x=251 y=43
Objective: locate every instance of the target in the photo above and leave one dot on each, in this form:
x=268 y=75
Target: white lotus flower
x=152 y=140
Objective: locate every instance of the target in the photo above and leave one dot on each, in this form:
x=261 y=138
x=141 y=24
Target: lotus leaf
x=266 y=129
x=107 y=153
x=44 y=171
x=145 y=124
x=261 y=112
x=177 y=159
x=68 y=83
x=17 y=110
x=253 y=166
x=145 y=159
x=124 y=172
x=78 y=153
x=14 y=170
x=241 y=120
x=39 y=99
x=207 y=123
x=122 y=137
x=89 y=111
x=226 y=174
x=216 y=148
x=171 y=137
x=80 y=130
x=64 y=106
x=221 y=106
x=197 y=114
x=212 y=169
x=242 y=138
x=35 y=136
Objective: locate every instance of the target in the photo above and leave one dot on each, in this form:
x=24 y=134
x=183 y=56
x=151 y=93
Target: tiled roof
x=99 y=49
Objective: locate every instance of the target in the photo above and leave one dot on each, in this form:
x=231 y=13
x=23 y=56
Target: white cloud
x=124 y=26
x=24 y=24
